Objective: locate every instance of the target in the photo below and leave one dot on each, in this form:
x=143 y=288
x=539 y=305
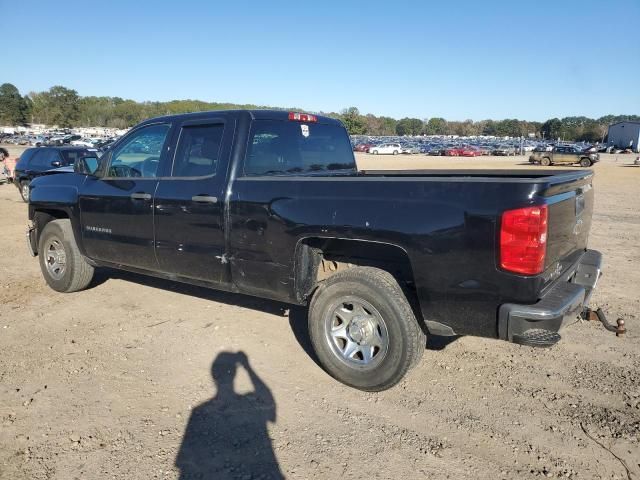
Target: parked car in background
x=35 y=162
x=386 y=149
x=504 y=150
x=362 y=147
x=37 y=141
x=471 y=152
x=410 y=150
x=465 y=151
x=452 y=151
x=564 y=155
x=63 y=140
x=436 y=150
x=85 y=142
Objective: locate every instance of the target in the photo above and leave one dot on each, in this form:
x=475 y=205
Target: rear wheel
x=375 y=152
x=545 y=161
x=395 y=152
x=363 y=329
x=24 y=191
x=585 y=162
x=63 y=266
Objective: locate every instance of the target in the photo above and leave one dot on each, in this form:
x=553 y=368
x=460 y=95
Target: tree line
x=567 y=128
x=64 y=107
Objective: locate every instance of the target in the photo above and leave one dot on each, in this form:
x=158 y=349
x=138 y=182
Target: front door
x=563 y=155
x=189 y=202
x=116 y=209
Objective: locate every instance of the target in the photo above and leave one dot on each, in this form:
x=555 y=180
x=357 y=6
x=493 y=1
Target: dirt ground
x=116 y=381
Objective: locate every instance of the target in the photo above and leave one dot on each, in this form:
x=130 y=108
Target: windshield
x=286 y=147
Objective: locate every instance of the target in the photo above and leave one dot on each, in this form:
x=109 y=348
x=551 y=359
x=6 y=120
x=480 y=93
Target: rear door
x=116 y=210
x=189 y=201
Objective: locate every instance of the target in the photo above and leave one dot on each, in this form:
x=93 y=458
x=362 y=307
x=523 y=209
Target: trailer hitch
x=598 y=316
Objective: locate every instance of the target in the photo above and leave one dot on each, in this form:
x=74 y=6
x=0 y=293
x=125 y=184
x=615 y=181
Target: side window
x=70 y=156
x=139 y=154
x=44 y=158
x=198 y=150
x=27 y=155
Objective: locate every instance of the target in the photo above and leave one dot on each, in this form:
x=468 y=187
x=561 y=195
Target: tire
x=57 y=243
x=375 y=152
x=355 y=304
x=585 y=162
x=395 y=152
x=545 y=161
x=24 y=191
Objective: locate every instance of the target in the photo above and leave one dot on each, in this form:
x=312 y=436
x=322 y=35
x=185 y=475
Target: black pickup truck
x=271 y=204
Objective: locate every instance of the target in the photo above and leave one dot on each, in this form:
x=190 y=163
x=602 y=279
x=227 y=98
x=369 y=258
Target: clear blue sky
x=455 y=59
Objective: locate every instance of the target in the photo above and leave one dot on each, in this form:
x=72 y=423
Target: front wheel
x=24 y=191
x=395 y=152
x=63 y=266
x=375 y=152
x=363 y=329
x=545 y=162
x=585 y=162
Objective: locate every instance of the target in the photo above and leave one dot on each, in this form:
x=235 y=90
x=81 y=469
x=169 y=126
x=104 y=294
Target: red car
x=362 y=147
x=453 y=151
x=463 y=152
x=470 y=152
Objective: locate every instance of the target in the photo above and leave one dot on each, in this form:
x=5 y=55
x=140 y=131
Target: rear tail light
x=523 y=240
x=302 y=117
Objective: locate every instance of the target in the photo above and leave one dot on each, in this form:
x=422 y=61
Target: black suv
x=44 y=160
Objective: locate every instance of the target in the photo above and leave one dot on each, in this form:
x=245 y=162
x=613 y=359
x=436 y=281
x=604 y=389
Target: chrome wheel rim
x=55 y=258
x=356 y=333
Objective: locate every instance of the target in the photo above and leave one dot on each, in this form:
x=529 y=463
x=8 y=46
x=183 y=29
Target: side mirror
x=86 y=165
x=56 y=164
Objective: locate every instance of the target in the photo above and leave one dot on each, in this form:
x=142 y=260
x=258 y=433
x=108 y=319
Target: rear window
x=292 y=148
x=24 y=158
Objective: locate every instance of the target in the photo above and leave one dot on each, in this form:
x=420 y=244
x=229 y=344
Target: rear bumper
x=560 y=304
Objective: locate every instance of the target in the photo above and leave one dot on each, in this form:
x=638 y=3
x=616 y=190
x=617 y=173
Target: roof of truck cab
x=254 y=114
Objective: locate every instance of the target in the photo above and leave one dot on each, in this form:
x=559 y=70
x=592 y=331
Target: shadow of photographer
x=227 y=436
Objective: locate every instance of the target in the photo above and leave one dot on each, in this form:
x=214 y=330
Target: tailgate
x=570 y=203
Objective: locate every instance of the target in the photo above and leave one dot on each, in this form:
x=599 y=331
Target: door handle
x=204 y=199
x=140 y=196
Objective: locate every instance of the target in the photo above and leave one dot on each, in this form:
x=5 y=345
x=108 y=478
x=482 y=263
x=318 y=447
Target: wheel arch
x=41 y=216
x=318 y=258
